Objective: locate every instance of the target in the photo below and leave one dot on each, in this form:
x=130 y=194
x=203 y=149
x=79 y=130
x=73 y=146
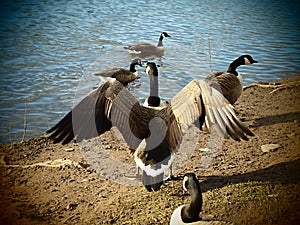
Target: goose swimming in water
x=230 y=82
x=146 y=49
x=152 y=132
x=124 y=76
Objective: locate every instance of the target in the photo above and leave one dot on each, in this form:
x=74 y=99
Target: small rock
x=72 y=206
x=269 y=147
x=205 y=149
x=3 y=160
x=69 y=149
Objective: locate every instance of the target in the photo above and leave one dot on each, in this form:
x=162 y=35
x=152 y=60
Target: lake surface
x=50 y=49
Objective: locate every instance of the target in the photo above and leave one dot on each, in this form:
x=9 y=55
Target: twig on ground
x=51 y=163
x=275 y=86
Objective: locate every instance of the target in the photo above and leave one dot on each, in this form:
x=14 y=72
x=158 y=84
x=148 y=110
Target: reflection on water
x=50 y=49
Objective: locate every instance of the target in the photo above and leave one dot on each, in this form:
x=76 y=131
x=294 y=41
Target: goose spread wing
x=197 y=101
x=221 y=113
x=186 y=105
x=80 y=121
x=111 y=104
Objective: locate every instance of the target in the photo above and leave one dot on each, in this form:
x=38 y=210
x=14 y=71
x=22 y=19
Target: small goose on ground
x=189 y=214
x=124 y=76
x=152 y=132
x=146 y=49
x=230 y=82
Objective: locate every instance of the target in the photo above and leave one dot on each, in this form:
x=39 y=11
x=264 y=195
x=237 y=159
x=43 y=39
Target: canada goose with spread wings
x=153 y=132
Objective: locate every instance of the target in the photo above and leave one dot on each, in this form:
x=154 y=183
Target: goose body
x=230 y=83
x=154 y=133
x=147 y=49
x=124 y=76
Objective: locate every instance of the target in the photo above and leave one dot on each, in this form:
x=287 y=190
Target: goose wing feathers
x=186 y=104
x=109 y=72
x=139 y=47
x=80 y=121
x=111 y=104
x=145 y=50
x=122 y=75
x=209 y=106
x=227 y=83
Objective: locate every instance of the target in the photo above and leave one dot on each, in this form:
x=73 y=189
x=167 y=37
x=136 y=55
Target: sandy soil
x=46 y=183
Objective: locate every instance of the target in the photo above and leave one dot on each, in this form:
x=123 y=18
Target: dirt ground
x=46 y=183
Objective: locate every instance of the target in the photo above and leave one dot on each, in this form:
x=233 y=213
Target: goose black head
x=190 y=182
x=165 y=34
x=137 y=62
x=151 y=69
x=242 y=60
x=248 y=59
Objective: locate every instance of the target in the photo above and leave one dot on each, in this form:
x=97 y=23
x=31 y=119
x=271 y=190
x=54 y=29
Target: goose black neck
x=235 y=64
x=190 y=213
x=132 y=67
x=154 y=99
x=160 y=44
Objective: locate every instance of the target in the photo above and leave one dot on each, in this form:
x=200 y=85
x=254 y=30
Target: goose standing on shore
x=124 y=76
x=152 y=132
x=147 y=49
x=230 y=83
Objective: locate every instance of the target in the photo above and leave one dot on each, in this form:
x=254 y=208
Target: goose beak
x=254 y=61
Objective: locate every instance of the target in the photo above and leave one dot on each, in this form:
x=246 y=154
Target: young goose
x=230 y=82
x=146 y=49
x=122 y=75
x=154 y=133
x=189 y=214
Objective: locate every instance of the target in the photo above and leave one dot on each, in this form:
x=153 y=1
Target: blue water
x=50 y=49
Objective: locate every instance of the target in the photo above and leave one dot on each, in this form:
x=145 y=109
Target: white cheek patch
x=147 y=70
x=185 y=179
x=247 y=62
